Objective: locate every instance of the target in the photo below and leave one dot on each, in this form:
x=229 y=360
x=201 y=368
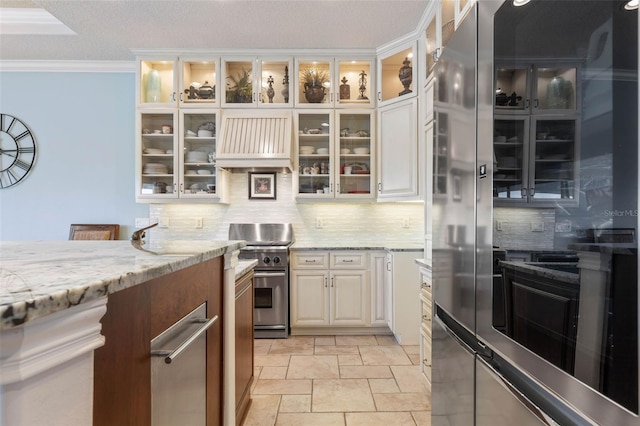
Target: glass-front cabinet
x=157 y=168
x=536 y=124
x=257 y=82
x=314 y=82
x=354 y=80
x=342 y=82
x=315 y=155
x=199 y=83
x=157 y=82
x=536 y=88
x=335 y=161
x=355 y=154
x=535 y=159
x=176 y=155
x=396 y=75
x=441 y=154
x=198 y=171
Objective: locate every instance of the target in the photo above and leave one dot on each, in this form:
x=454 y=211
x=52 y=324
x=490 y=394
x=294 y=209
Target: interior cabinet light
x=631 y=5
x=518 y=3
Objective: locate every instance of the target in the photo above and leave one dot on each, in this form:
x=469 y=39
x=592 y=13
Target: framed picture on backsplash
x=262 y=186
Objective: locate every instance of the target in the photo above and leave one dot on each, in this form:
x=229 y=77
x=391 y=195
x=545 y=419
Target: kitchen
x=340 y=220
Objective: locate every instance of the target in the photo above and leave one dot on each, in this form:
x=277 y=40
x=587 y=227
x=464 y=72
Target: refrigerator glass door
x=571 y=326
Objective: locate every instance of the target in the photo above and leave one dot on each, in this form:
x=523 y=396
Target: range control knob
x=266 y=259
x=276 y=259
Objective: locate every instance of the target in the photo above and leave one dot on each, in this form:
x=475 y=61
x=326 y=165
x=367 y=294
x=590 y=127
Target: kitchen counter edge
x=40 y=278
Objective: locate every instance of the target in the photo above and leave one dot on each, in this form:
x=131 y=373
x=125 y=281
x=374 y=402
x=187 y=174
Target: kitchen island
x=54 y=295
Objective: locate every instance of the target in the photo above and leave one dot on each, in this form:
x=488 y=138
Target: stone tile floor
x=338 y=380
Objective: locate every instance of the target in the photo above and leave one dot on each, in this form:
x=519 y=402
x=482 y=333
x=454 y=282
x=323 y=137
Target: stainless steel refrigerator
x=535 y=238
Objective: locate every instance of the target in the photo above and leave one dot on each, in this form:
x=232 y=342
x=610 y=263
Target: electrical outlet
x=499 y=225
x=163 y=222
x=141 y=222
x=563 y=226
x=198 y=223
x=406 y=222
x=319 y=222
x=537 y=226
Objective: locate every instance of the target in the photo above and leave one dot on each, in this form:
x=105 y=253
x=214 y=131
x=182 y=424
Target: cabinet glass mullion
x=441 y=154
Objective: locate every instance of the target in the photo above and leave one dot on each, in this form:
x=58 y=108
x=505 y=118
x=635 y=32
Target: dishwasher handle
x=171 y=355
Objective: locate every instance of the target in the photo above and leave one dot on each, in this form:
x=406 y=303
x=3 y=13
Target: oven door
x=270 y=300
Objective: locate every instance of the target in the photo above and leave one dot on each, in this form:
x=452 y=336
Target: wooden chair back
x=94 y=232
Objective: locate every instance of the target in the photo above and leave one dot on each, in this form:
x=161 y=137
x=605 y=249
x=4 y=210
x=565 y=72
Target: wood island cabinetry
x=244 y=344
x=122 y=369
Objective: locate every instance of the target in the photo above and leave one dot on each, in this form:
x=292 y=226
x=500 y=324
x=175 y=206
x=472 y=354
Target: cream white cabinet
x=175 y=156
x=396 y=74
x=405 y=289
x=445 y=18
x=380 y=290
x=329 y=289
x=426 y=317
x=335 y=161
x=172 y=81
x=334 y=82
x=251 y=82
x=398 y=161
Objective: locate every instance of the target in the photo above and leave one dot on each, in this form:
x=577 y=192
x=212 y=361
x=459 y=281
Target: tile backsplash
x=523 y=228
x=312 y=221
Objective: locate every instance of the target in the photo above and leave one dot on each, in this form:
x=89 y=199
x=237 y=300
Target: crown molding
x=68 y=66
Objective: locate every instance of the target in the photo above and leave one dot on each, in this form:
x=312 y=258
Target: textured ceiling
x=108 y=30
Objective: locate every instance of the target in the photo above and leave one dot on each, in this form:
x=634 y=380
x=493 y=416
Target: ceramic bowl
x=204 y=172
x=345 y=151
x=361 y=150
x=307 y=150
x=205 y=133
x=323 y=150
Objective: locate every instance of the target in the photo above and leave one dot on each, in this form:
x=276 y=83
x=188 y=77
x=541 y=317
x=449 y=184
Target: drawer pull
x=171 y=355
x=309 y=261
x=347 y=261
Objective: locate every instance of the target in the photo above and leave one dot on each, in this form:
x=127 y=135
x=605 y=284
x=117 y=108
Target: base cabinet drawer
x=310 y=260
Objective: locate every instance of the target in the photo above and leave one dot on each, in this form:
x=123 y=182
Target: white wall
x=84 y=172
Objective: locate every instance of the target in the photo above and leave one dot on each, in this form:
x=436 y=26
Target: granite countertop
x=245 y=266
x=541 y=271
x=38 y=278
x=360 y=245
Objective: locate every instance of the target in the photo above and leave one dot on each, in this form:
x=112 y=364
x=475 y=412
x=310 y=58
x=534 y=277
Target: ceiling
x=107 y=30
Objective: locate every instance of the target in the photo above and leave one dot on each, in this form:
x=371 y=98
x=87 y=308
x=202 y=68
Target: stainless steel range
x=268 y=243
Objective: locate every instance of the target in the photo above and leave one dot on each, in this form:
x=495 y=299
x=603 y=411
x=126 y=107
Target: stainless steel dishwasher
x=178 y=371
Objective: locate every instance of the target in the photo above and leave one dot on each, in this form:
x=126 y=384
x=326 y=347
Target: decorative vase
x=313 y=94
x=405 y=76
x=345 y=89
x=153 y=86
x=270 y=91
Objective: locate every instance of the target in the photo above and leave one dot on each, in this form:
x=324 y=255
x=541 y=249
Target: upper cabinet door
x=397 y=75
x=157 y=82
x=273 y=77
x=314 y=84
x=554 y=88
x=199 y=83
x=354 y=83
x=238 y=76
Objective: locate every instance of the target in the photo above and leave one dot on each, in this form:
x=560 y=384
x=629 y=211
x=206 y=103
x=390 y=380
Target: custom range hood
x=255 y=140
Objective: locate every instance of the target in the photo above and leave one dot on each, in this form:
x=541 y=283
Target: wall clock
x=17 y=150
